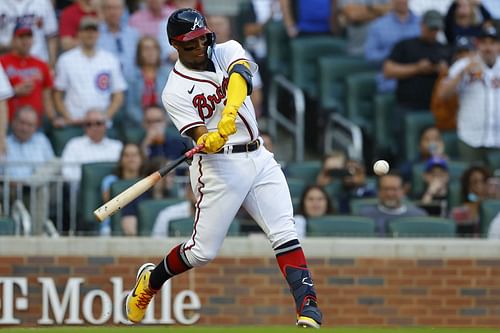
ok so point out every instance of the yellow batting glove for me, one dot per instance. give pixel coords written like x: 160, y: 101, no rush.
x: 213, y: 142
x: 227, y: 124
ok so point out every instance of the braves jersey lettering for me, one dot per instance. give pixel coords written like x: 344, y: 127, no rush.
x: 206, y: 105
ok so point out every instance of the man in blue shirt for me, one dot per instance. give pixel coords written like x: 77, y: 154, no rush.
x: 400, y: 23
x: 26, y: 145
x: 116, y: 37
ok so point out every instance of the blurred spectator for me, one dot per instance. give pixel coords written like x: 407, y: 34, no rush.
x: 221, y: 26
x: 473, y: 189
x: 430, y: 145
x: 6, y: 91
x: 166, y: 187
x: 436, y: 179
x: 69, y: 21
x: 178, y: 211
x: 331, y: 165
x: 465, y: 18
x: 390, y: 203
x: 148, y: 20
x: 254, y: 19
x: 445, y: 109
x: 158, y: 141
x: 130, y: 167
x: 30, y: 76
x: 354, y: 186
x: 400, y: 23
x: 314, y: 202
x: 476, y: 79
x: 87, y: 77
x: 494, y: 229
x: 40, y: 16
x: 416, y: 63
x: 267, y: 139
x: 93, y: 146
x: 419, y: 7
x: 117, y: 37
x: 492, y: 7
x: 306, y: 17
x: 26, y: 145
x: 356, y: 16
x: 146, y: 81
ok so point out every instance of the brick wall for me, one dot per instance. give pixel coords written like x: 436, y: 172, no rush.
x: 250, y: 290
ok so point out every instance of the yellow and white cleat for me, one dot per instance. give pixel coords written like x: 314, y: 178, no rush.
x: 139, y: 298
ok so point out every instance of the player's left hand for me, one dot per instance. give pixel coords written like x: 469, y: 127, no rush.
x: 227, y: 124
x: 213, y: 142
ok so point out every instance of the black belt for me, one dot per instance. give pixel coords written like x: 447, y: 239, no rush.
x: 251, y: 146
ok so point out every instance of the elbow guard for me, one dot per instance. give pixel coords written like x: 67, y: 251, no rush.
x: 245, y: 73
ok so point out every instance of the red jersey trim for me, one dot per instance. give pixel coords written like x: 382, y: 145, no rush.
x: 247, y: 126
x: 191, y: 125
x: 195, y: 79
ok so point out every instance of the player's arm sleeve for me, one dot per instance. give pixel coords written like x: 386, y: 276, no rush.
x: 183, y: 115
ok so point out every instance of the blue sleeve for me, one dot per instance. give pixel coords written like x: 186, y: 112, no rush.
x: 373, y: 51
x: 107, y: 181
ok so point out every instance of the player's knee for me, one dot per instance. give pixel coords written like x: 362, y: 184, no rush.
x: 198, y: 258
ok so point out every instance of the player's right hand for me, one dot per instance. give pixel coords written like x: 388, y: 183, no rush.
x: 213, y: 142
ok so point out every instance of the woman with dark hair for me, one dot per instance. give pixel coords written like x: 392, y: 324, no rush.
x: 130, y: 167
x: 473, y: 189
x: 314, y: 202
x: 146, y: 83
x: 465, y: 18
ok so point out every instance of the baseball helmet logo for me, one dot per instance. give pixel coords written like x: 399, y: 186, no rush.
x: 197, y: 24
x: 103, y: 81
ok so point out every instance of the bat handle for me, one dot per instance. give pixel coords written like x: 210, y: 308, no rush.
x: 194, y: 150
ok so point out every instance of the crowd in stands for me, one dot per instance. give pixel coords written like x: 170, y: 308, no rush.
x: 81, y: 81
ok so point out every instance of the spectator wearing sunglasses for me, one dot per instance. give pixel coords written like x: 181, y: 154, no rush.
x: 93, y: 146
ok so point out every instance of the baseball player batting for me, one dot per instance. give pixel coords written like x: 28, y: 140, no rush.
x: 207, y: 97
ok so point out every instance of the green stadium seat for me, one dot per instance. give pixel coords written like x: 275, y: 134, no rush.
x: 134, y: 135
x: 90, y: 192
x: 116, y: 188
x: 305, y: 54
x: 296, y: 187
x: 414, y: 123
x: 184, y: 227
x: 455, y: 170
x: 340, y: 226
x: 450, y: 139
x: 488, y: 209
x: 454, y: 196
x: 493, y: 158
x: 278, y: 48
x: 60, y: 136
x: 332, y: 73
x: 148, y: 210
x: 361, y: 91
x: 384, y: 112
x: 307, y: 171
x: 7, y: 226
x: 422, y: 226
x: 358, y: 204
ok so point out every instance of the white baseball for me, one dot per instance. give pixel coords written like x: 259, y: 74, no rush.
x: 381, y: 167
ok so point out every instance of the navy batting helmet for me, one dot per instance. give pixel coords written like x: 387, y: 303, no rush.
x: 186, y: 24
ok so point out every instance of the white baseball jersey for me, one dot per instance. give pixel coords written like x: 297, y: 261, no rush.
x: 193, y: 98
x: 6, y: 90
x: 39, y: 14
x: 88, y: 82
x: 478, y: 123
x: 224, y: 182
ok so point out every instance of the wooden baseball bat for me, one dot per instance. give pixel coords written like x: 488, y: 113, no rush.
x: 125, y: 197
